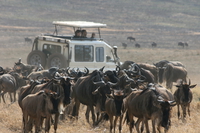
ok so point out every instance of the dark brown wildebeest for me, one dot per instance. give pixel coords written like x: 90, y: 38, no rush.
x: 148, y: 105
x: 149, y: 77
x: 131, y: 38
x: 113, y: 106
x: 61, y: 85
x: 151, y: 68
x: 27, y: 40
x: 183, y: 97
x: 89, y: 90
x: 137, y: 45
x: 37, y: 106
x: 172, y: 74
x: 8, y: 84
x: 153, y: 45
x: 124, y: 45
x: 77, y: 73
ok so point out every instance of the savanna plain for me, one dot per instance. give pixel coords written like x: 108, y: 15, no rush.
x: 160, y: 21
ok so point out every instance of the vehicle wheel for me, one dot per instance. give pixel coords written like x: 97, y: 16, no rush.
x: 57, y: 60
x: 36, y: 57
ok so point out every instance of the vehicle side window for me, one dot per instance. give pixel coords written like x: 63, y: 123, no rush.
x: 99, y: 54
x: 50, y: 49
x: 84, y: 53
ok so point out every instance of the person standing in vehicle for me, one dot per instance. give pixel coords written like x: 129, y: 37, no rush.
x: 93, y: 35
x: 77, y: 34
x: 84, y: 33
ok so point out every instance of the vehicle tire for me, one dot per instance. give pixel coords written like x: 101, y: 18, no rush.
x: 36, y: 57
x: 57, y: 60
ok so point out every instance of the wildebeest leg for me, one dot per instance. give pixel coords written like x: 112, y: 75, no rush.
x: 146, y: 124
x: 56, y: 122
x: 130, y: 117
x: 188, y: 109
x: 137, y: 124
x: 111, y: 122
x: 93, y: 115
x: 25, y: 120
x: 87, y: 113
x: 115, y: 122
x: 11, y: 99
x: 76, y: 109
x: 178, y: 108
x: 120, y: 123
x: 37, y: 124
x: 153, y: 126
x: 2, y: 95
x: 184, y: 110
x: 47, y: 124
x: 14, y: 95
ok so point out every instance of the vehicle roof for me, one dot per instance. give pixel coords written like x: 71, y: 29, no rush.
x: 80, y: 24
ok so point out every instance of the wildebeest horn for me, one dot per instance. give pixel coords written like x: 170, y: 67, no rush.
x: 110, y: 84
x: 172, y: 103
x: 98, y: 82
x: 118, y: 68
x: 189, y: 82
x: 101, y: 69
x: 86, y: 71
x: 96, y: 91
x: 67, y: 71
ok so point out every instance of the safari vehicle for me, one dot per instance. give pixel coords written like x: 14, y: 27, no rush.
x: 55, y: 50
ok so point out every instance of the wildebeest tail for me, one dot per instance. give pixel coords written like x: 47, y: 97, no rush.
x: 128, y: 120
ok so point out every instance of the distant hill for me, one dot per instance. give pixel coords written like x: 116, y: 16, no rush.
x: 147, y: 20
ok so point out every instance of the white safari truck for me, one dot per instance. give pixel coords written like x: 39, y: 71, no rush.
x: 56, y: 50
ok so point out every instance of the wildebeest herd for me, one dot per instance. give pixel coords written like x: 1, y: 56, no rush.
x: 131, y: 93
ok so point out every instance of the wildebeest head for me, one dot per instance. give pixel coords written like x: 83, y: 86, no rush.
x: 118, y: 96
x: 185, y: 89
x: 160, y: 74
x: 165, y: 107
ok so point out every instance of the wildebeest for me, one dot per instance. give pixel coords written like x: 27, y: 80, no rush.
x: 24, y: 69
x: 28, y: 40
x: 161, y: 65
x: 172, y: 74
x: 59, y: 84
x: 37, y: 106
x: 124, y: 45
x: 148, y: 105
x: 90, y: 90
x: 8, y: 84
x: 153, y: 45
x: 151, y: 68
x: 49, y: 73
x: 126, y: 65
x: 131, y: 38
x: 137, y: 70
x: 183, y: 44
x: 113, y: 108
x: 137, y: 45
x: 183, y: 97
